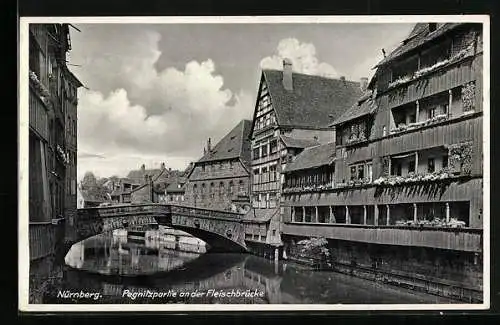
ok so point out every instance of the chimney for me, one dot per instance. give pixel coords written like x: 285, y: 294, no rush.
x: 363, y: 84
x: 143, y: 168
x: 287, y: 75
x: 209, y: 145
x: 342, y: 78
x: 162, y: 166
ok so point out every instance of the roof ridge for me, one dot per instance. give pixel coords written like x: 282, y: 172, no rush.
x: 314, y: 75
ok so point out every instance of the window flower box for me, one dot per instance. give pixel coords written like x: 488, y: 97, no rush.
x: 468, y: 51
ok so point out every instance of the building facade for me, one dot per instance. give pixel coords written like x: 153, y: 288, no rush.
x: 52, y: 122
x: 408, y: 180
x: 52, y: 106
x: 221, y: 178
x: 293, y: 111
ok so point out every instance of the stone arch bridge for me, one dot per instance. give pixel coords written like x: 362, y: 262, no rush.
x: 223, y: 231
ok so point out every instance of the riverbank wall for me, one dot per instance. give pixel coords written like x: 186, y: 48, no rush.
x: 451, y: 274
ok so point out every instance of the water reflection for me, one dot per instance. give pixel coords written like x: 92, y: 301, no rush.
x: 119, y: 254
x: 113, y: 264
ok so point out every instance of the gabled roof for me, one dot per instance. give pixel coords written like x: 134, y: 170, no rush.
x: 313, y: 157
x: 366, y: 105
x: 419, y: 35
x: 235, y: 144
x: 176, y: 187
x: 137, y: 176
x: 298, y: 143
x: 157, y: 175
x: 314, y: 101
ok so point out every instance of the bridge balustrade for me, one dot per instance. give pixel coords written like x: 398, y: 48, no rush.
x: 199, y: 212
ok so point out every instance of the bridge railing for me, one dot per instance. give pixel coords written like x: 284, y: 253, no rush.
x: 158, y: 208
x: 129, y: 209
x: 206, y: 213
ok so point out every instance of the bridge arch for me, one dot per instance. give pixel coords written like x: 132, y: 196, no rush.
x: 223, y: 231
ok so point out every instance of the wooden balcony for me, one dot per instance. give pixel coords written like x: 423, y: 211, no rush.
x: 460, y: 239
x: 448, y: 77
x: 464, y: 128
x: 42, y: 239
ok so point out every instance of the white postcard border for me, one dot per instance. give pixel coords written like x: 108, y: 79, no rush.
x: 23, y: 217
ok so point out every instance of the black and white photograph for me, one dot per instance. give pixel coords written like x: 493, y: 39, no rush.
x: 254, y: 163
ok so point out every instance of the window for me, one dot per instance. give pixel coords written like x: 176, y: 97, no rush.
x: 265, y: 150
x: 445, y: 161
x: 369, y: 172
x: 272, y: 171
x: 203, y: 167
x: 361, y: 172
x: 241, y: 187
x: 274, y: 146
x: 431, y: 112
x: 221, y: 188
x: 353, y: 173
x: 256, y: 175
x: 432, y: 27
x: 396, y: 169
x: 430, y: 165
x: 231, y: 187
x: 384, y: 131
x: 203, y: 190
x: 411, y: 166
x: 230, y: 164
x: 256, y: 153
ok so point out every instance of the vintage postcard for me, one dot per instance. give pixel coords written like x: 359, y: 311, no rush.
x: 254, y: 163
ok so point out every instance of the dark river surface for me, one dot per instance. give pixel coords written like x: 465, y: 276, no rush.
x: 117, y: 269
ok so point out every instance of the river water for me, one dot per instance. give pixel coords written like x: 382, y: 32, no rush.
x: 115, y: 268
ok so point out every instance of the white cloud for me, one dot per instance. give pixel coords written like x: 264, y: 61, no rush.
x: 135, y: 110
x: 303, y: 57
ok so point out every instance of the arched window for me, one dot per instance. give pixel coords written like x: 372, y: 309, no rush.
x: 203, y: 190
x: 221, y: 189
x: 195, y: 188
x: 231, y: 187
x: 212, y: 190
x: 241, y: 187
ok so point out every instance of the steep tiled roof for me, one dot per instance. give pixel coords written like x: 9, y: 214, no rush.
x: 233, y: 145
x: 298, y: 143
x: 137, y: 176
x: 217, y: 174
x: 313, y: 157
x: 314, y: 101
x: 366, y: 105
x: 417, y: 37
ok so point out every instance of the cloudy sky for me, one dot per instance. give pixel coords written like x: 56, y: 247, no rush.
x: 157, y: 92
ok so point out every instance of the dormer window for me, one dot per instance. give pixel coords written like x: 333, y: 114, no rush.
x: 432, y: 27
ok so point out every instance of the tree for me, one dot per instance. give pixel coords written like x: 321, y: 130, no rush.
x: 89, y: 181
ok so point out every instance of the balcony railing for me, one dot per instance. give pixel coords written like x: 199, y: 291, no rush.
x: 411, y: 126
x: 461, y: 239
x: 466, y: 52
x: 309, y: 188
